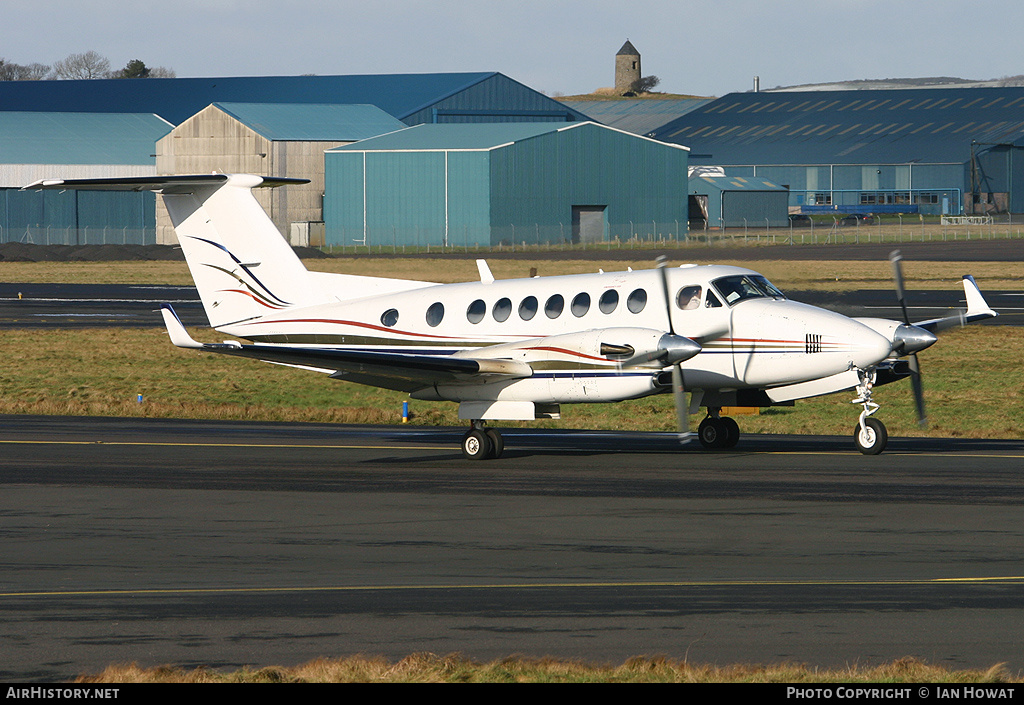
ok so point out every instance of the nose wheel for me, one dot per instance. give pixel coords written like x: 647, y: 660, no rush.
x: 870, y: 436
x: 482, y: 443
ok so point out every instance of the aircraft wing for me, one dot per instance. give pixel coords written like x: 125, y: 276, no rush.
x: 398, y: 371
x: 977, y: 310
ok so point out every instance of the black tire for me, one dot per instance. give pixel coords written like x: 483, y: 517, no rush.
x: 712, y: 433
x: 874, y: 438
x: 476, y: 445
x: 732, y: 435
x: 497, y: 443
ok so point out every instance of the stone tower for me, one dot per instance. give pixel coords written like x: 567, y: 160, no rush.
x: 627, y: 67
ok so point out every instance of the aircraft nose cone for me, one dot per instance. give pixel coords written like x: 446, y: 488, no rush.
x: 909, y: 339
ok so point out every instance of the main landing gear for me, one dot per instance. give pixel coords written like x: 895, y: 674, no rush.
x: 869, y: 434
x: 482, y: 443
x: 718, y: 431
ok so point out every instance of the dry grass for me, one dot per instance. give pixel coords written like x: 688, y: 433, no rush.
x: 972, y: 384
x: 429, y: 668
x: 787, y: 274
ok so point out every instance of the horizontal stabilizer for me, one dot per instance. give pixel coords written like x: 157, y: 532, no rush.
x: 187, y: 183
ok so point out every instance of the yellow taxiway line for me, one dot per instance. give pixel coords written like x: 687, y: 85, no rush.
x: 1005, y: 580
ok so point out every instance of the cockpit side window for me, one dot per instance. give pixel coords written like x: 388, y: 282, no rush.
x: 742, y: 286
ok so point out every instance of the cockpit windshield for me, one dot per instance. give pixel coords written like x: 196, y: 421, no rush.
x: 746, y: 286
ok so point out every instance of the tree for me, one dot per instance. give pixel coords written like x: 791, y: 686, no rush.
x: 135, y: 69
x: 10, y: 71
x: 82, y: 66
x: 138, y: 69
x: 644, y: 85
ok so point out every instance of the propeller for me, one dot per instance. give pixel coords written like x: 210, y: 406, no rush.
x: 678, y: 391
x: 905, y: 342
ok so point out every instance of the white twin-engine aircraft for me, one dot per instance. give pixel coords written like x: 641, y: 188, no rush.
x: 517, y: 349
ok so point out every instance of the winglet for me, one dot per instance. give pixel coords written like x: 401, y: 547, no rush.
x: 977, y: 307
x: 176, y: 329
x: 485, y: 272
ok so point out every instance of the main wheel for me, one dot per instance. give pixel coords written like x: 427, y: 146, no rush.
x: 870, y: 438
x: 712, y: 433
x: 732, y: 436
x: 497, y: 442
x: 476, y: 445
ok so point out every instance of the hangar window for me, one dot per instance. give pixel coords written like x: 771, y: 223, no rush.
x: 528, y: 308
x: 502, y: 310
x: 580, y: 304
x: 475, y: 312
x: 435, y: 313
x: 636, y: 301
x: 608, y: 301
x: 553, y: 307
x: 389, y: 318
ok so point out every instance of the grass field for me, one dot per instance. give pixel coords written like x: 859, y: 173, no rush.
x: 795, y: 275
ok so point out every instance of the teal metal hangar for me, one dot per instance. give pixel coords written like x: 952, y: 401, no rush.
x: 484, y: 185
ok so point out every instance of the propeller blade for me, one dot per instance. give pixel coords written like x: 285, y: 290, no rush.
x: 896, y: 259
x: 915, y: 381
x: 682, y: 407
x: 664, y: 288
x: 678, y: 392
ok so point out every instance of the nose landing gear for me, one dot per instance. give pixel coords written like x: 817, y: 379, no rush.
x: 869, y: 434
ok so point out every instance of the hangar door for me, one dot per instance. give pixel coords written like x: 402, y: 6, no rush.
x: 755, y: 209
x: 588, y: 223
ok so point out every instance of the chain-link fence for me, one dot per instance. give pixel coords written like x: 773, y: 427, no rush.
x: 79, y: 236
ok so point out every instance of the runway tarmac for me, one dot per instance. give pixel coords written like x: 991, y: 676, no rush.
x: 95, y: 305
x: 232, y: 543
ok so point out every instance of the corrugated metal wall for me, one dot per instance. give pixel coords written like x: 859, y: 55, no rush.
x: 77, y: 217
x: 412, y: 198
x: 536, y: 182
x: 755, y: 209
x: 523, y: 192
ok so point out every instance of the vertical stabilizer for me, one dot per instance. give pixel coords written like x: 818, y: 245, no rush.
x: 242, y: 266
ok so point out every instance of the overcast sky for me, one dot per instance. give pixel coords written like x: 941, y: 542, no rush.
x: 559, y: 47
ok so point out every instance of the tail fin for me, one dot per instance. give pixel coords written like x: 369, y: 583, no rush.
x: 241, y: 265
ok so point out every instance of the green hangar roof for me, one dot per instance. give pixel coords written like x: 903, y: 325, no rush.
x: 452, y: 137
x: 314, y: 122
x: 473, y: 137
x: 849, y: 127
x: 411, y: 98
x: 641, y: 116
x: 79, y: 138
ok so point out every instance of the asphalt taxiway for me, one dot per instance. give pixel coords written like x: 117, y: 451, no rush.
x: 231, y: 543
